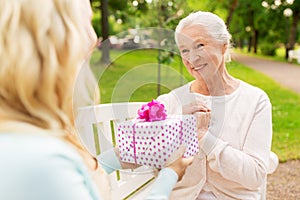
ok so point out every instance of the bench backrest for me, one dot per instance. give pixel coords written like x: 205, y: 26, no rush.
x: 294, y: 54
x: 96, y: 126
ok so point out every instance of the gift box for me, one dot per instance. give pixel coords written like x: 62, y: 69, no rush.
x: 152, y: 143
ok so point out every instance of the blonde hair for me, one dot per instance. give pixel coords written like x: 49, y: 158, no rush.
x: 42, y: 47
x: 86, y: 91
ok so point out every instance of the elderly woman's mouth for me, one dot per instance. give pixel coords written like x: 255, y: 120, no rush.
x: 200, y: 67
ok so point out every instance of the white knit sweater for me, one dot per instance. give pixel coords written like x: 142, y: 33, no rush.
x: 234, y: 154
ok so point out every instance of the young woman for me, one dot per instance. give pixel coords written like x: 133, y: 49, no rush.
x: 43, y: 45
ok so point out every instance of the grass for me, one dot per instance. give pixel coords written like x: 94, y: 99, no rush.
x: 133, y: 77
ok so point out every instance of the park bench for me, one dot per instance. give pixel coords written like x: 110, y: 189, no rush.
x: 294, y: 54
x: 96, y: 125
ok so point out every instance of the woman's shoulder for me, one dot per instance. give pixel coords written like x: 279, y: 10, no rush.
x: 175, y: 95
x: 34, y: 141
x: 252, y: 90
x: 26, y: 148
x: 177, y: 92
x: 182, y: 89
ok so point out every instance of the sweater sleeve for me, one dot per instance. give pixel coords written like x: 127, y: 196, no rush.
x: 247, y: 166
x: 109, y: 161
x: 171, y: 102
x: 163, y: 185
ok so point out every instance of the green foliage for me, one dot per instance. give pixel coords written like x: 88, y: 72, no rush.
x: 97, y: 23
x: 268, y: 49
x: 269, y: 22
x: 218, y: 7
x: 165, y: 57
x: 279, y: 25
x: 118, y: 4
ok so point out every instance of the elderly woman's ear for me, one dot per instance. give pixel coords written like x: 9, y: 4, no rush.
x: 224, y: 48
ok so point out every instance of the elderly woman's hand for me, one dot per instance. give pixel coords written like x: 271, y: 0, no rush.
x: 202, y: 114
x: 193, y: 107
x: 203, y: 121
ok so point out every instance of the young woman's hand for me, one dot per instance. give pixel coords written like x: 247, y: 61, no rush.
x: 180, y: 165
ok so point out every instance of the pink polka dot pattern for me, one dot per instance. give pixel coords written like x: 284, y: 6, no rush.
x: 156, y: 141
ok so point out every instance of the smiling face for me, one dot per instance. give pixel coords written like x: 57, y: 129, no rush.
x: 202, y: 55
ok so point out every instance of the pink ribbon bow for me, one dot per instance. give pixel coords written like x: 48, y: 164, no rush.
x: 152, y: 111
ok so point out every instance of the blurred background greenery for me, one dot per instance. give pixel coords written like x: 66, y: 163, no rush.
x: 258, y: 26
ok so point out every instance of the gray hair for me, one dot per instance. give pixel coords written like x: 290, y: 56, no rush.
x: 214, y: 25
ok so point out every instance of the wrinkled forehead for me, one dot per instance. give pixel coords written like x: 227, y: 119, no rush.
x: 192, y: 34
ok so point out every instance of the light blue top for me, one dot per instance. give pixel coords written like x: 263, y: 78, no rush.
x: 44, y: 168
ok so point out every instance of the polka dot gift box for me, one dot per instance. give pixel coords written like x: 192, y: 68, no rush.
x: 153, y: 137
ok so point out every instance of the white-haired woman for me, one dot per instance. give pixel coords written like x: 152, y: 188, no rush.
x: 43, y: 45
x: 235, y: 125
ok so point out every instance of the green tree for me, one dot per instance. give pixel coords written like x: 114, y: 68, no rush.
x: 285, y: 21
x: 168, y: 14
x: 111, y: 12
x: 295, y: 23
x: 164, y: 16
x: 252, y: 26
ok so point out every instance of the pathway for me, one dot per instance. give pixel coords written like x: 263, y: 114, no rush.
x: 286, y: 74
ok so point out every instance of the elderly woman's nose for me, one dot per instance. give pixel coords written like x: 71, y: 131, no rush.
x: 194, y: 57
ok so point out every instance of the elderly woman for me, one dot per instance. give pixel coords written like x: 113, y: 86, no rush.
x: 235, y: 129
x: 43, y: 45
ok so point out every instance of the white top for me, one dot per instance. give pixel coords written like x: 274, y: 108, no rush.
x: 234, y: 154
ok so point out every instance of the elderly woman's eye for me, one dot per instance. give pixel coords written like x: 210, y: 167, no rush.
x: 200, y: 45
x: 184, y: 51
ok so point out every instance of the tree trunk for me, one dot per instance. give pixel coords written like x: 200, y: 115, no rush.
x: 255, y: 41
x: 292, y: 39
x: 241, y: 43
x: 249, y: 44
x: 287, y: 48
x: 251, y: 24
x: 161, y: 18
x: 231, y: 11
x: 105, y: 44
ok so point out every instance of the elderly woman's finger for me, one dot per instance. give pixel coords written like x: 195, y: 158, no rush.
x: 203, y: 119
x: 200, y: 108
x: 201, y: 132
x: 195, y: 107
